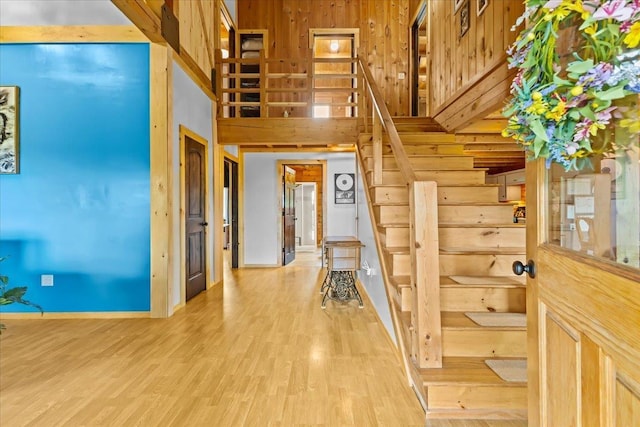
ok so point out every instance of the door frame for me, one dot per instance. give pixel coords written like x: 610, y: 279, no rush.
x: 184, y: 133
x: 280, y: 164
x: 421, y: 15
x: 235, y: 245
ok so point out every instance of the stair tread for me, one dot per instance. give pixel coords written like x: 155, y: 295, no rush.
x: 505, y: 205
x: 401, y: 281
x: 498, y: 282
x: 390, y: 203
x: 383, y: 185
x: 456, y: 320
x: 498, y: 250
x: 417, y: 169
x: 394, y: 225
x: 481, y: 225
x: 465, y: 371
x: 398, y: 249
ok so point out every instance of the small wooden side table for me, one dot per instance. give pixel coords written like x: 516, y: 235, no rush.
x: 343, y: 259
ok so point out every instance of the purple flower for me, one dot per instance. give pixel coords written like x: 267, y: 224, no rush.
x: 597, y: 76
x: 582, y: 130
x: 614, y: 9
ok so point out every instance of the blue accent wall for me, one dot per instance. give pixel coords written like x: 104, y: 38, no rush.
x: 80, y: 207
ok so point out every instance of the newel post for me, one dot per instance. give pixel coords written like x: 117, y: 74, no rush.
x: 425, y: 274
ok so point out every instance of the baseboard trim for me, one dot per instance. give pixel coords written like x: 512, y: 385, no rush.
x: 79, y: 315
x: 261, y: 265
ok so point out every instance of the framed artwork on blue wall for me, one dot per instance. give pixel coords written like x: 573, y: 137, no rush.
x: 9, y: 130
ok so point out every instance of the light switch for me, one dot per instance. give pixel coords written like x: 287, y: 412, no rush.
x: 46, y: 280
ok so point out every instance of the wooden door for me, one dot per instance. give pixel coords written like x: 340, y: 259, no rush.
x: 583, y: 310
x: 233, y: 181
x: 288, y: 215
x: 195, y: 217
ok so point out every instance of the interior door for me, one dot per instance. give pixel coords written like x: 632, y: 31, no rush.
x: 234, y: 214
x: 195, y: 217
x: 583, y: 305
x: 289, y: 215
x: 419, y: 63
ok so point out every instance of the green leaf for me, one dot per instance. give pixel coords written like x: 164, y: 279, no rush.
x: 586, y: 112
x: 15, y: 293
x: 613, y: 93
x: 580, y: 67
x: 539, y: 130
x: 538, y: 145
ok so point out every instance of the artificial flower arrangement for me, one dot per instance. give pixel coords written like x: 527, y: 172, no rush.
x: 561, y: 113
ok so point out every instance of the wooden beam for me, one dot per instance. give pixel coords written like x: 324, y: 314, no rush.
x: 142, y: 16
x: 161, y: 200
x: 156, y: 6
x: 289, y: 130
x: 72, y: 34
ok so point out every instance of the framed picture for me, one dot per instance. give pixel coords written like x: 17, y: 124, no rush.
x: 482, y: 5
x: 464, y: 18
x: 9, y: 129
x: 456, y: 5
x: 345, y: 188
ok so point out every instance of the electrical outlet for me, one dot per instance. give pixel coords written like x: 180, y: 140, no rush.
x: 46, y: 280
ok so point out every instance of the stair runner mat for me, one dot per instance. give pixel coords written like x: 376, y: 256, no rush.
x: 509, y: 370
x: 516, y: 320
x: 488, y: 280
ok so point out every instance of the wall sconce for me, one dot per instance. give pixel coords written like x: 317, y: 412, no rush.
x: 334, y: 46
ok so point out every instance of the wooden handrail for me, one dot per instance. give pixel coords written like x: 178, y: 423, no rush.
x: 387, y: 122
x: 425, y: 346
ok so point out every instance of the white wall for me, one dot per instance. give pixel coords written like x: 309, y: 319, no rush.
x: 60, y: 12
x: 373, y: 284
x: 262, y: 211
x: 192, y: 109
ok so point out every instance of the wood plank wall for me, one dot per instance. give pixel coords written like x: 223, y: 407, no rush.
x: 469, y: 74
x: 197, y: 31
x: 384, y: 35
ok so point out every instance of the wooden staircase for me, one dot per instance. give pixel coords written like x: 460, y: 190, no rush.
x: 477, y: 243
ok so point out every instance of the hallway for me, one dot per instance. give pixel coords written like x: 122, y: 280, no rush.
x: 258, y: 351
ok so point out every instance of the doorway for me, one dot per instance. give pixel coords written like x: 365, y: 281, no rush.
x: 306, y: 216
x: 419, y: 63
x: 289, y: 215
x: 230, y: 210
x: 195, y: 222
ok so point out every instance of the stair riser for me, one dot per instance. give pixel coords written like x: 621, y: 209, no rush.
x: 501, y: 300
x: 484, y: 343
x: 467, y: 194
x: 476, y: 397
x: 441, y: 177
x: 401, y: 265
x: 397, y: 237
x: 476, y: 265
x: 392, y: 214
x: 403, y: 298
x: 482, y: 237
x: 445, y: 194
x: 434, y: 163
x: 470, y: 214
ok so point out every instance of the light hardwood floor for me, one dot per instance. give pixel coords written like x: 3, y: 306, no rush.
x: 258, y: 351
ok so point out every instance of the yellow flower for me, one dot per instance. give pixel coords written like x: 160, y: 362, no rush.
x: 632, y: 39
x: 591, y: 30
x: 536, y: 96
x: 537, y: 107
x: 577, y: 90
x: 557, y: 112
x: 632, y: 124
x: 594, y: 128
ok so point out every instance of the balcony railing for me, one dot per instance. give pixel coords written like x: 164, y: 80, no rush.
x: 308, y: 87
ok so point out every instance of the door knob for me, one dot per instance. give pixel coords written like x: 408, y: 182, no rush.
x: 204, y: 224
x: 519, y: 268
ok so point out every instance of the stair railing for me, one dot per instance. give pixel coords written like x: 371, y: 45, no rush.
x: 426, y: 328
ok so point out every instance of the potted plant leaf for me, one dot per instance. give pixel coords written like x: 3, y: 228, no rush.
x: 14, y: 295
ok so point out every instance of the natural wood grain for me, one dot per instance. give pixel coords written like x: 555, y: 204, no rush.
x: 425, y: 273
x: 257, y: 351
